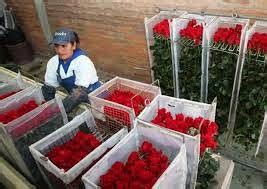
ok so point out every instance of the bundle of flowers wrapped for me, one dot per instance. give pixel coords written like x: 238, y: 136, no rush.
x: 225, y: 36
x: 163, y: 57
x: 68, y: 152
x: 189, y: 52
x: 253, y: 90
x: 123, y: 99
x: 145, y: 158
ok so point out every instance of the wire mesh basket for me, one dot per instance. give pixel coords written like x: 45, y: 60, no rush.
x: 18, y: 134
x: 108, y: 131
x: 188, y: 108
x: 117, y: 111
x: 171, y: 145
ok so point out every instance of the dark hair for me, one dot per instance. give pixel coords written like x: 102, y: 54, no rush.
x: 77, y: 39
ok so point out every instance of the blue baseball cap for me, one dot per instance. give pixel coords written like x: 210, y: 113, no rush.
x: 63, y: 36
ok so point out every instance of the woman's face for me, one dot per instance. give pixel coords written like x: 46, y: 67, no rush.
x: 65, y: 51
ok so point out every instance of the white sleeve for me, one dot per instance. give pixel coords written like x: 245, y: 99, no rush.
x: 51, y: 72
x: 85, y: 72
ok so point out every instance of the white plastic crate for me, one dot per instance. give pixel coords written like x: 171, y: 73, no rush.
x: 188, y: 108
x: 177, y: 25
x: 117, y: 111
x: 171, y: 145
x: 110, y: 133
x: 18, y: 134
x: 149, y: 25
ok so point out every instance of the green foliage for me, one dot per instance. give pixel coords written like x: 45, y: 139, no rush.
x: 163, y: 64
x: 252, y: 99
x: 206, y: 171
x: 190, y: 72
x: 222, y: 68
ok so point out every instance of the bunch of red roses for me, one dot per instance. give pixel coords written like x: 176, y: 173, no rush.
x: 128, y: 99
x: 36, y: 121
x: 186, y: 124
x: 125, y: 98
x: 141, y: 170
x: 162, y: 28
x: 258, y: 42
x: 230, y: 36
x: 193, y: 31
x: 3, y: 96
x: 14, y: 114
x: 69, y: 154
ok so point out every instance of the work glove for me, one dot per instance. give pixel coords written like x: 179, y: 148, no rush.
x: 48, y: 92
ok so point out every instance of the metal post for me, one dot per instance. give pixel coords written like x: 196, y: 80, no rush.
x: 42, y: 15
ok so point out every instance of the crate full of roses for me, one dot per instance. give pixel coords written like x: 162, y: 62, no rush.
x: 225, y: 42
x: 70, y: 151
x: 123, y: 99
x: 158, y: 37
x: 190, y: 54
x: 25, y: 120
x: 249, y: 127
x: 12, y: 88
x: 192, y: 120
x: 146, y: 158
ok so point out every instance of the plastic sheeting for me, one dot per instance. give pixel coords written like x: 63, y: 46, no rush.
x: 188, y: 67
x: 221, y: 76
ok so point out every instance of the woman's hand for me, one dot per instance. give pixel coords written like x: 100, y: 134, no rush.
x: 77, y: 96
x: 48, y: 92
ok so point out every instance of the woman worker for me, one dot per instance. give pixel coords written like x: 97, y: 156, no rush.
x: 71, y: 69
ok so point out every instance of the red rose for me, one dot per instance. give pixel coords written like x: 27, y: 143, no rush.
x: 134, y: 156
x: 197, y: 122
x: 209, y: 141
x: 146, y: 147
x: 135, y: 185
x: 107, y: 179
x: 117, y: 168
x: 179, y: 117
x: 145, y: 175
x: 121, y: 184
